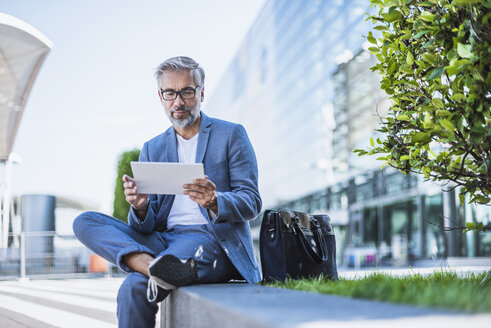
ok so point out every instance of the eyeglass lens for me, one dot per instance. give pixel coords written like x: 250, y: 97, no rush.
x: 186, y: 93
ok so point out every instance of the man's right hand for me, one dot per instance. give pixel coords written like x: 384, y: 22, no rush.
x: 138, y: 201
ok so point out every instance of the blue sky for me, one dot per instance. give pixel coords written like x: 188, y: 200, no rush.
x: 95, y: 95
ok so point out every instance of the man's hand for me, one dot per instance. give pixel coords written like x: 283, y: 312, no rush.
x: 202, y: 191
x: 138, y: 201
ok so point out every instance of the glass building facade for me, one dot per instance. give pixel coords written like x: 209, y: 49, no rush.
x: 301, y: 85
x: 279, y: 86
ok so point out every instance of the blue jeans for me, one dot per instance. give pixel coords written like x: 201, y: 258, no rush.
x: 113, y: 239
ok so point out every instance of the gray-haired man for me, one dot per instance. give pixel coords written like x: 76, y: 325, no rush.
x: 176, y: 240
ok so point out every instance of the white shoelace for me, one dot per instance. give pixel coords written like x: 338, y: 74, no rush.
x: 152, y: 290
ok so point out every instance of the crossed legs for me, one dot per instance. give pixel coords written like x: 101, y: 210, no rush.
x: 133, y: 251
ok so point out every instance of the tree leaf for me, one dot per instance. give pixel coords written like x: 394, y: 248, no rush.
x: 438, y: 103
x: 403, y: 117
x: 436, y: 73
x: 409, y: 58
x: 428, y: 44
x: 442, y: 113
x: 420, y: 34
x: 429, y: 58
x: 447, y: 125
x: 391, y: 68
x: 462, y: 198
x: 393, y: 16
x: 470, y: 225
x: 371, y: 39
x: 405, y: 69
x: 381, y: 28
x: 466, y: 2
x: 481, y: 199
x: 457, y: 97
x: 454, y: 69
x: 451, y: 54
x: 427, y: 16
x: 464, y: 50
x: 421, y: 137
x: 426, y: 172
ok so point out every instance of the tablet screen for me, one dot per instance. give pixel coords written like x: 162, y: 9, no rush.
x: 165, y: 178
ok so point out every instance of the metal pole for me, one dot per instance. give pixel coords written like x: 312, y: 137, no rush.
x: 421, y: 240
x: 23, y: 255
x: 449, y: 219
x: 16, y: 222
x: 6, y: 204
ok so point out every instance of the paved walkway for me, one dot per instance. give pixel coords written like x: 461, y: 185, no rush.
x: 59, y: 303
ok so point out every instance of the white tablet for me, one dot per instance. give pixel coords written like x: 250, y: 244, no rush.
x: 165, y: 178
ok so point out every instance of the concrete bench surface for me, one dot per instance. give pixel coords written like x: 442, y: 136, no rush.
x: 242, y: 305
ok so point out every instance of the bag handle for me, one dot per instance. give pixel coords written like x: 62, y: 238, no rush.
x: 321, y: 242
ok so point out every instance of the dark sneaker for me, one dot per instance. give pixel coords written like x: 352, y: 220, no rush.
x: 169, y: 272
x: 155, y: 293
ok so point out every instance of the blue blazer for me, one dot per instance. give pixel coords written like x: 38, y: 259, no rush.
x: 229, y: 161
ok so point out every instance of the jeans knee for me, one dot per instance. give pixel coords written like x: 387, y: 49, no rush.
x: 81, y: 221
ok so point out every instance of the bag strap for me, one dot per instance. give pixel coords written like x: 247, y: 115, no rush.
x: 321, y: 242
x: 320, y: 239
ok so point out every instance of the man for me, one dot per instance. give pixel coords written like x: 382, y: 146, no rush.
x: 176, y: 240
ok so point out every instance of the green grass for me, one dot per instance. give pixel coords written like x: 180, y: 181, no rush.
x: 442, y: 289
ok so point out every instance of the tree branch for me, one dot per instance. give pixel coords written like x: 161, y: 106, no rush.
x: 472, y: 26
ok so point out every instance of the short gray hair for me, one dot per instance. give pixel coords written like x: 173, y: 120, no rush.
x: 181, y: 63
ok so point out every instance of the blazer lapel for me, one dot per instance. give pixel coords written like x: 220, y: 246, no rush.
x: 171, y: 149
x: 204, y: 135
x: 170, y: 155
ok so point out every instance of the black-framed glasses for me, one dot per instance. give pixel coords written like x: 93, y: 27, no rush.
x: 186, y: 93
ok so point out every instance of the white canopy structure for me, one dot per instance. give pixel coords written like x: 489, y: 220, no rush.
x: 23, y: 50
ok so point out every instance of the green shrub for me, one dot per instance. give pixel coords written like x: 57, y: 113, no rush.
x: 120, y: 206
x: 435, y: 61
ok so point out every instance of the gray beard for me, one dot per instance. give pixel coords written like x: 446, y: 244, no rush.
x: 184, y: 123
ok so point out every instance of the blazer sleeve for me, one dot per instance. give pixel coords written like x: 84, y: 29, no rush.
x: 243, y: 202
x: 147, y: 225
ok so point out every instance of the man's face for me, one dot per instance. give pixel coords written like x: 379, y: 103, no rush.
x: 181, y: 112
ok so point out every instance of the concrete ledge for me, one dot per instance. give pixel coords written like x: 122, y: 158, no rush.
x: 241, y: 305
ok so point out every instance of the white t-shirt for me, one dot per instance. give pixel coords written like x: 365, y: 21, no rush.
x: 184, y: 211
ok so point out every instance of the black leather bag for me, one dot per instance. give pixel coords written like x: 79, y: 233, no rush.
x: 296, y: 245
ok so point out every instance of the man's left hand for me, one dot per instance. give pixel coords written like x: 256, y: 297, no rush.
x: 202, y: 191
